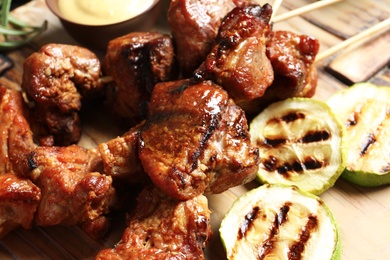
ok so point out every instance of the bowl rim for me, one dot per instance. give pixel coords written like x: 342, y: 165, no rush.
x: 53, y: 6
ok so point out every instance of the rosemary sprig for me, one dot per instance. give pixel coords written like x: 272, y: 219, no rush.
x: 14, y: 31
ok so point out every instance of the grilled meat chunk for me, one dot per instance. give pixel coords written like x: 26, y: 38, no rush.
x: 195, y: 140
x: 136, y: 62
x: 238, y: 62
x: 164, y: 228
x: 19, y: 199
x: 120, y: 157
x: 56, y: 78
x: 194, y: 25
x: 15, y: 134
x: 73, y: 190
x: 292, y: 57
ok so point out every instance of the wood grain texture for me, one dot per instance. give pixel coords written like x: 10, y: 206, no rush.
x: 362, y: 214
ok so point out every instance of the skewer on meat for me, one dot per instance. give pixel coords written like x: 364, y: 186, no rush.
x: 238, y: 62
x: 56, y: 78
x: 164, y: 228
x: 19, y: 197
x: 194, y: 25
x: 196, y: 140
x: 136, y: 62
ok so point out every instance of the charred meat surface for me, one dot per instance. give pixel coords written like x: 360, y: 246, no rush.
x: 238, y: 62
x: 292, y: 57
x: 55, y: 78
x: 19, y: 199
x: 73, y: 190
x: 194, y: 135
x: 136, y: 62
x: 164, y: 228
x: 194, y: 25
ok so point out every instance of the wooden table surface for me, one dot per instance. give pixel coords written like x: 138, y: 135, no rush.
x: 363, y: 214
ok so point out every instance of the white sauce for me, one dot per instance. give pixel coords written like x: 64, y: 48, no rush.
x: 99, y: 12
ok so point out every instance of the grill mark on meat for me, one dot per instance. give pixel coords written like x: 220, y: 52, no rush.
x: 298, y: 247
x: 370, y: 140
x: 247, y: 224
x: 280, y: 218
x: 214, y: 122
x: 315, y: 136
x: 309, y: 163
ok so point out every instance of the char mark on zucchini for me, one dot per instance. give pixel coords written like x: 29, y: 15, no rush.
x: 369, y: 141
x: 297, y: 248
x: 248, y: 222
x: 280, y: 219
x: 309, y: 163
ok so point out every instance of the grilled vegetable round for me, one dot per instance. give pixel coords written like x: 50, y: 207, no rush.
x: 301, y: 143
x: 280, y: 222
x: 364, y: 109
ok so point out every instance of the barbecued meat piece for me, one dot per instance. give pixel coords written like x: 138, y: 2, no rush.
x: 73, y: 190
x: 19, y: 199
x: 56, y: 78
x: 195, y: 140
x: 15, y: 134
x: 136, y: 62
x: 237, y: 160
x: 194, y: 25
x: 292, y: 57
x: 164, y: 228
x: 120, y: 157
x: 238, y: 61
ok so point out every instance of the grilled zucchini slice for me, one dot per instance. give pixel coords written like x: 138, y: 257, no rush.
x: 301, y: 142
x: 280, y: 222
x: 364, y: 109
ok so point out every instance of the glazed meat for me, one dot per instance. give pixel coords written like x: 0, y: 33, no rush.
x: 19, y: 200
x: 292, y: 57
x: 238, y: 61
x: 194, y: 25
x: 19, y: 197
x: 15, y: 134
x: 73, y: 190
x: 136, y: 62
x: 195, y: 140
x: 162, y: 228
x: 120, y: 158
x: 56, y: 78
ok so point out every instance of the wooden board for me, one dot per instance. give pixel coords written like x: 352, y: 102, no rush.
x: 362, y: 214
